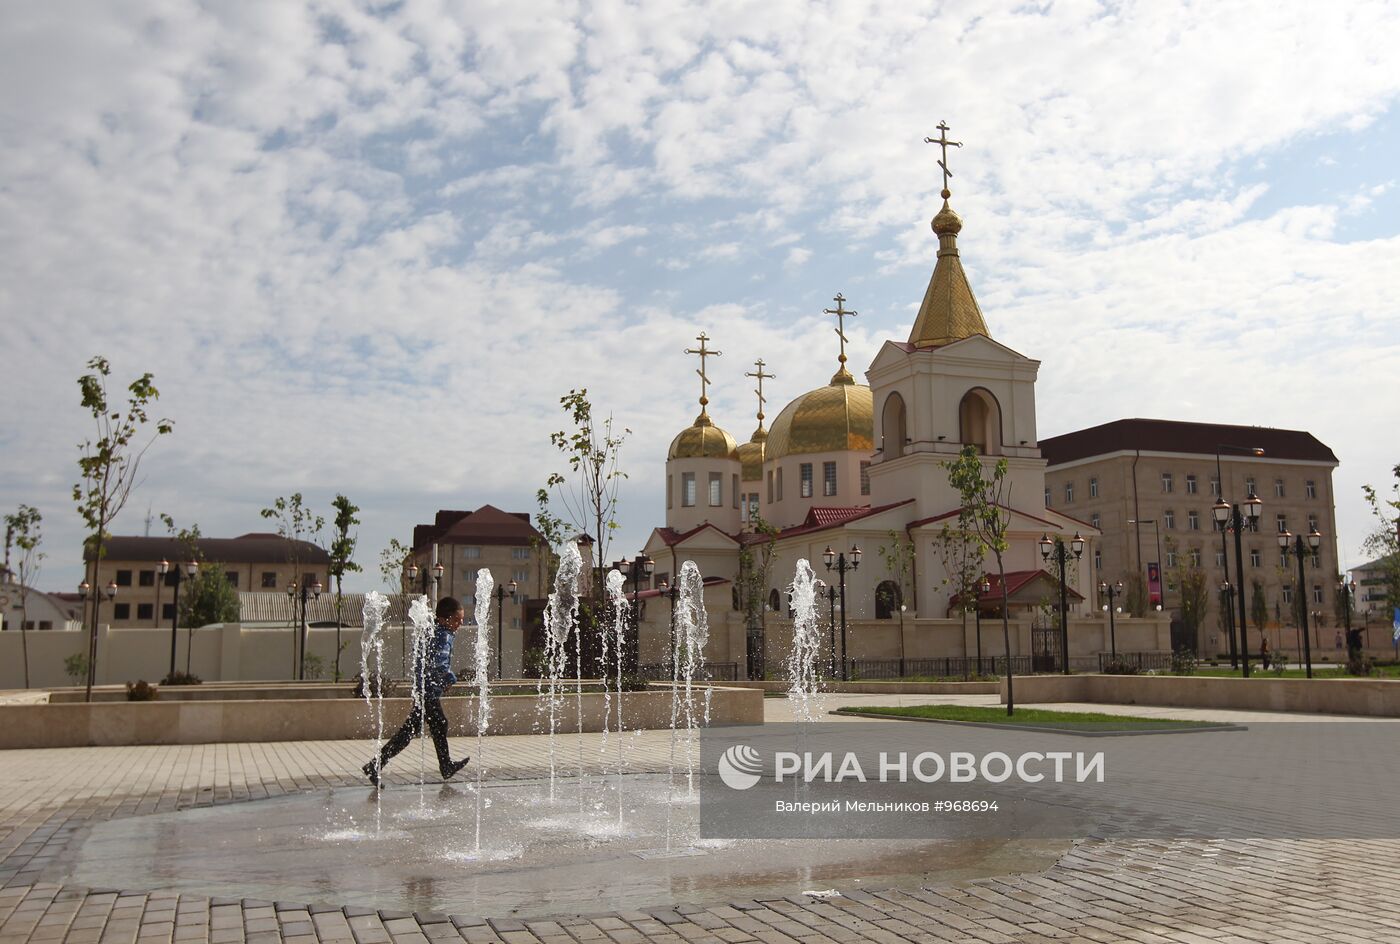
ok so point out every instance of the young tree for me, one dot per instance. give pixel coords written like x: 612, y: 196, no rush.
x: 1258, y: 606
x: 1384, y: 541
x: 108, y: 465
x: 963, y: 558
x: 210, y: 599
x: 189, y: 540
x: 754, y: 572
x: 1194, y: 588
x: 898, y: 557
x: 22, y: 528
x: 393, y: 561
x: 342, y: 560
x: 295, y: 524
x: 986, y: 500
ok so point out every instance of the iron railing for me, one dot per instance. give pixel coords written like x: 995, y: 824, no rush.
x: 949, y: 668
x: 711, y: 671
x: 1145, y: 661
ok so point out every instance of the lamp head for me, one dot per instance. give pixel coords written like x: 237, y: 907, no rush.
x: 191, y: 568
x: 1252, y: 507
x: 292, y: 589
x: 648, y: 566
x: 855, y: 555
x: 828, y: 557
x: 1314, y: 538
x: 437, y: 571
x: 1284, y: 539
x: 1076, y: 544
x: 1221, y: 510
x: 1046, y: 545
x: 163, y: 567
x: 84, y: 587
x: 412, y: 571
x: 513, y: 587
x: 111, y: 589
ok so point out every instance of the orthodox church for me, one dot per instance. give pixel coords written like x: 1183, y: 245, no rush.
x: 858, y: 468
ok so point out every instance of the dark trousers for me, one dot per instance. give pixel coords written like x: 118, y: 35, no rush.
x: 413, y: 727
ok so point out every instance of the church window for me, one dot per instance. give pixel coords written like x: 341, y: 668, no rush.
x: 1093, y: 488
x: 887, y: 599
x: 734, y: 489
x: 805, y: 474
x: 979, y: 422
x: 687, y: 489
x: 828, y: 478
x: 1047, y: 496
x: 670, y: 490
x: 865, y: 478
x: 716, y: 489
x: 780, y: 483
x: 1069, y: 493
x: 773, y: 599
x: 893, y: 431
x: 770, y: 486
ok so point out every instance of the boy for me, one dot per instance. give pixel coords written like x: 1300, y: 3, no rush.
x: 434, y: 675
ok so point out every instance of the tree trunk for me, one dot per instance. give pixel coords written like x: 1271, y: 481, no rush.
x: 1006, y: 636
x: 24, y: 632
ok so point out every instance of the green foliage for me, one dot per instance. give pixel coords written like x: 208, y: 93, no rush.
x: 181, y: 678
x: 76, y: 666
x: 1358, y: 663
x: 1135, y: 596
x: 588, y: 502
x: 208, y: 597
x: 314, y: 665
x: 141, y: 690
x: 1384, y: 541
x: 342, y: 554
x: 1258, y: 606
x: 22, y: 530
x: 1121, y: 667
x: 1184, y: 661
x: 1194, y: 588
x: 534, y: 663
x: 295, y: 523
x: 754, y: 572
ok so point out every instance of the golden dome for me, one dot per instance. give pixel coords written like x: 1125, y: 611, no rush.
x: 949, y: 311
x: 703, y: 440
x: 751, y: 455
x: 834, y: 418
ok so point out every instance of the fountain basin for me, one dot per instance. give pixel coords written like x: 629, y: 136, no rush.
x: 328, y: 719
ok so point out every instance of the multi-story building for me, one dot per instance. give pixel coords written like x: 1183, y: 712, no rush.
x: 1149, y: 486
x: 1372, y: 598
x: 258, y: 561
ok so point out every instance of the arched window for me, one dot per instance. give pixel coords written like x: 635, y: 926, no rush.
x: 979, y: 421
x: 887, y: 599
x: 773, y: 600
x: 893, y: 428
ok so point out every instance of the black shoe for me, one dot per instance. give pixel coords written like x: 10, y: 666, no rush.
x: 449, y: 772
x: 372, y: 772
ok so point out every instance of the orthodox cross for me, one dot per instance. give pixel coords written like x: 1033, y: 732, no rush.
x: 704, y: 352
x: 943, y: 144
x: 841, y: 315
x: 761, y: 376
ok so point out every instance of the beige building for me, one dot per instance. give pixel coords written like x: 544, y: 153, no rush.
x: 255, y: 562
x: 1149, y: 486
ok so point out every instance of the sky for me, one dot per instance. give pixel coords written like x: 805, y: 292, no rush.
x: 365, y: 247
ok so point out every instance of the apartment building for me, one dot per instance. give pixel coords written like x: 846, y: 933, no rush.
x: 505, y: 543
x: 258, y: 562
x: 1149, y: 486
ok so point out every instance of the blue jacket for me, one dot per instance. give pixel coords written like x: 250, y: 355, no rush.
x: 435, y: 674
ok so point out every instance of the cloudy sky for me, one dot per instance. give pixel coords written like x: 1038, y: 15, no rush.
x: 365, y: 247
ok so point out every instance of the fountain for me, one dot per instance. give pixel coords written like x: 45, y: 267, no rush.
x: 804, y: 692
x: 420, y: 615
x: 687, y: 664
x: 560, y: 616
x: 372, y: 667
x: 621, y: 610
x: 482, y: 663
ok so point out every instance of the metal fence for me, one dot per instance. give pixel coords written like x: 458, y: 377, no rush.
x: 713, y: 671
x: 950, y: 668
x: 1144, y: 661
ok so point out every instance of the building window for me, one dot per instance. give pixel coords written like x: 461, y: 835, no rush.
x: 1312, y: 523
x: 1094, y: 520
x: 1195, y: 557
x: 1169, y: 519
x: 520, y: 553
x: 1093, y: 488
x: 716, y: 489
x: 147, y: 578
x: 269, y: 580
x: 1278, y: 488
x: 1047, y: 496
x: 520, y: 574
x: 1098, y: 560
x: 167, y: 611
x: 46, y: 624
x: 1190, y: 485
x: 1282, y: 523
x: 309, y: 578
x: 1282, y: 558
x: 687, y: 489
x: 122, y: 611
x: 780, y: 483
x: 232, y: 576
x: 1315, y: 558
x: 1317, y: 594
x: 123, y: 578
x: 1167, y: 483
x: 1171, y: 558
x: 1193, y: 521
x: 1251, y: 524
x: 734, y: 490
x: 1249, y: 486
x: 145, y: 611
x: 670, y: 488
x: 1310, y: 488
x: 471, y: 553
x: 770, y: 486
x: 865, y: 478
x: 753, y: 506
x: 1069, y: 493
x: 1219, y: 558
x: 804, y: 472
x: 1214, y: 487
x: 828, y: 478
x: 1287, y: 594
x: 1254, y: 558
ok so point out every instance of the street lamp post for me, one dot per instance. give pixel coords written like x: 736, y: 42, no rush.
x: 1234, y: 517
x: 111, y: 592
x: 501, y: 591
x: 634, y: 570
x: 190, y: 569
x: 1112, y: 591
x: 1057, y: 547
x: 831, y: 621
x: 672, y: 591
x: 1221, y: 503
x: 305, y: 591
x: 838, y: 561
x: 1288, y: 541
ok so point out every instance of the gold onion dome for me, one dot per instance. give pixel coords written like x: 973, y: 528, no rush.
x: 949, y: 311
x: 835, y: 418
x: 703, y: 440
x: 751, y: 456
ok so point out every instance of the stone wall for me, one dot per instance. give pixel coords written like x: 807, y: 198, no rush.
x: 1372, y: 697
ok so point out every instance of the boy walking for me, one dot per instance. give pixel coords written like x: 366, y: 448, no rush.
x: 433, y: 676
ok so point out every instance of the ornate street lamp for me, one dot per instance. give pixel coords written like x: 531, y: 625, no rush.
x: 1234, y: 518
x: 305, y: 592
x: 839, y: 562
x: 190, y: 569
x: 1221, y: 510
x: 1112, y: 591
x: 1057, y: 547
x: 501, y: 591
x: 1288, y: 541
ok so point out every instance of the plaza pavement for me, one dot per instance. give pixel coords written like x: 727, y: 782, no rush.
x: 1183, y: 891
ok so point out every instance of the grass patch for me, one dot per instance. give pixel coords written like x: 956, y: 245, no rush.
x: 1319, y: 671
x: 1026, y: 717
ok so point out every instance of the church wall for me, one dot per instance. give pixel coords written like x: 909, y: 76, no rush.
x: 724, y: 516
x: 792, y: 509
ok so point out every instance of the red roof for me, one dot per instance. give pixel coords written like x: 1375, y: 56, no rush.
x: 1175, y: 436
x: 487, y: 525
x: 671, y: 537
x: 1015, y: 581
x: 820, y: 519
x: 650, y: 594
x: 954, y: 513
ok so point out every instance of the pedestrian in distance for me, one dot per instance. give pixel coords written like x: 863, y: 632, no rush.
x: 432, y: 676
